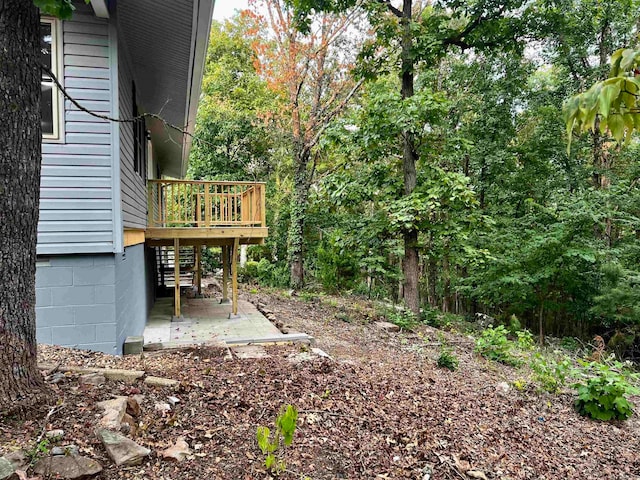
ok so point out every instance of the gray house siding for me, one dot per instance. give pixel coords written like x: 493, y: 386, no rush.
x: 75, y: 302
x: 87, y: 296
x: 92, y: 302
x: 76, y: 193
x: 133, y: 185
x: 131, y: 292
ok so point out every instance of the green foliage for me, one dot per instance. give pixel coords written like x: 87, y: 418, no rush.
x: 58, y: 8
x: 249, y: 271
x: 493, y: 344
x: 551, y: 374
x: 211, y: 260
x: 609, y: 104
x: 602, y: 395
x: 524, y: 340
x: 447, y: 359
x: 403, y: 318
x: 271, y: 274
x: 273, y: 446
x: 39, y: 450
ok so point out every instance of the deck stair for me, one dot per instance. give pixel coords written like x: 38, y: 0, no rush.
x: 165, y: 267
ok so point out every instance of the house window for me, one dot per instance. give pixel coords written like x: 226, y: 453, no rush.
x: 50, y: 104
x: 139, y: 139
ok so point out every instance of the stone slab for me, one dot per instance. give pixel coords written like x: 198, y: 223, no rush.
x: 249, y: 352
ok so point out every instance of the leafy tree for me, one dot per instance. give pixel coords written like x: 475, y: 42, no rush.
x: 236, y: 111
x: 411, y: 36
x: 22, y: 388
x: 311, y: 75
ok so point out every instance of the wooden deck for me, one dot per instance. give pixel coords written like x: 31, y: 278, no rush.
x: 201, y: 213
x: 211, y: 213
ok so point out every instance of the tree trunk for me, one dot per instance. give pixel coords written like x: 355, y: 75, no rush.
x: 541, y: 323
x: 298, y: 214
x: 22, y: 388
x: 411, y: 261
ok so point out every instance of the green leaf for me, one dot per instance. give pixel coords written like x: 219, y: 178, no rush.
x: 263, y: 437
x: 616, y: 125
x: 607, y: 95
x: 628, y: 59
x: 270, y: 461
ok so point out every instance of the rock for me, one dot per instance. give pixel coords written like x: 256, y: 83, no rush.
x: 114, y: 412
x: 7, y: 470
x: 66, y: 450
x: 19, y: 459
x: 57, y: 377
x: 161, y: 382
x: 95, y: 379
x: 244, y: 352
x: 503, y: 387
x: 387, y: 327
x: 179, y: 451
x: 53, y: 434
x: 133, y: 406
x: 477, y: 474
x: 118, y: 375
x: 68, y: 467
x: 128, y: 425
x: 122, y: 450
x: 320, y: 353
x: 427, y: 471
x: 162, y: 407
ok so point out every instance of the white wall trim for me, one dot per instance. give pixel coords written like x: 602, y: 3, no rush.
x: 115, y: 138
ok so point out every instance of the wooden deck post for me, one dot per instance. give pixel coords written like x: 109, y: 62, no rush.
x: 198, y: 260
x: 176, y: 276
x: 234, y: 276
x: 225, y: 274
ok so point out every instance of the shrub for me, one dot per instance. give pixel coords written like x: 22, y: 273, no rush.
x: 603, y: 394
x: 550, y: 374
x: 272, y: 274
x: 447, y: 359
x: 494, y: 345
x: 524, y: 340
x: 405, y: 319
x: 249, y: 271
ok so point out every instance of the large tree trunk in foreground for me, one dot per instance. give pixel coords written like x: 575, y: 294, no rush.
x: 411, y: 260
x: 298, y: 215
x: 22, y: 388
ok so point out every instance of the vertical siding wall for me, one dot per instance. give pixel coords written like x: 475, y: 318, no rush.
x: 133, y: 185
x: 76, y: 194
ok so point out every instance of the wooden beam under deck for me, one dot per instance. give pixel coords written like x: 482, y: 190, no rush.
x: 191, y: 242
x: 212, y: 233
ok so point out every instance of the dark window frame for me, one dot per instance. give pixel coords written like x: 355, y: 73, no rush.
x: 139, y: 138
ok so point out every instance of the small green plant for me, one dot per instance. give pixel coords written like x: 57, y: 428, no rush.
x: 405, y: 319
x: 524, y: 340
x: 550, y: 374
x: 520, y: 384
x: 603, y: 393
x: 41, y: 449
x: 494, y: 345
x: 447, y: 359
x: 274, y: 446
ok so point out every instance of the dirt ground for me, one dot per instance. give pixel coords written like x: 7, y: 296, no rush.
x: 380, y: 408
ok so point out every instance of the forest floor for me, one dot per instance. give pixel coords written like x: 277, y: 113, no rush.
x: 380, y: 408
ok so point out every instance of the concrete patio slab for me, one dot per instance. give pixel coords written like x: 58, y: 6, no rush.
x: 206, y: 321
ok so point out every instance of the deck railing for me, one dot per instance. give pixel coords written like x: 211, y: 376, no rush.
x: 201, y: 204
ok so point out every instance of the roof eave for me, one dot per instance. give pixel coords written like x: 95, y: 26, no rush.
x: 202, y: 18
